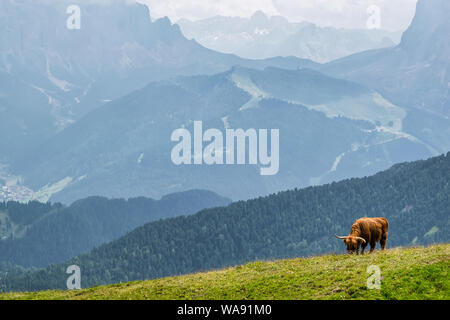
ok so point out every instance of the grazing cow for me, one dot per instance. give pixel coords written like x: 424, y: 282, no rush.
x: 366, y: 231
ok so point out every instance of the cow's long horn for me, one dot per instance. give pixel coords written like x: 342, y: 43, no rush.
x: 361, y: 239
x: 340, y: 237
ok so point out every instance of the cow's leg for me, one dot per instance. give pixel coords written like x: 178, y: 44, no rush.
x: 383, y: 241
x: 372, y: 247
x: 363, y: 247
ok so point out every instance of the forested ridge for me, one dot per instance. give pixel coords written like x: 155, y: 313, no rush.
x: 415, y: 197
x: 45, y: 233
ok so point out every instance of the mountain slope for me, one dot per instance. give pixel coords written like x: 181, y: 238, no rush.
x: 67, y: 73
x: 407, y: 274
x: 51, y: 76
x: 41, y: 234
x: 338, y: 129
x: 414, y: 197
x: 414, y: 74
x: 330, y: 129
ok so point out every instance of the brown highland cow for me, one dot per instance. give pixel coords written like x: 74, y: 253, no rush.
x: 366, y: 231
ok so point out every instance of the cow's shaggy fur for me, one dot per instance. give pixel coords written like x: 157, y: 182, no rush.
x: 367, y: 231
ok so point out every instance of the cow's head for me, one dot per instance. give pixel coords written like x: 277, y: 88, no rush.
x: 353, y: 243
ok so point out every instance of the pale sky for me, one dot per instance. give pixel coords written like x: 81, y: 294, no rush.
x: 394, y: 14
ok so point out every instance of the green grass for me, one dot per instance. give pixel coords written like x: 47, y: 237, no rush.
x: 406, y: 273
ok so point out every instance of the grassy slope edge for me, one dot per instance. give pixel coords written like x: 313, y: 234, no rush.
x: 407, y: 273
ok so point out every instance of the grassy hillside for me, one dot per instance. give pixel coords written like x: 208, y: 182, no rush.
x: 406, y: 273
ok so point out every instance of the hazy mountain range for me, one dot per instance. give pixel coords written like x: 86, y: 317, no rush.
x: 51, y: 76
x: 414, y: 74
x: 336, y: 120
x: 329, y: 129
x: 261, y: 36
